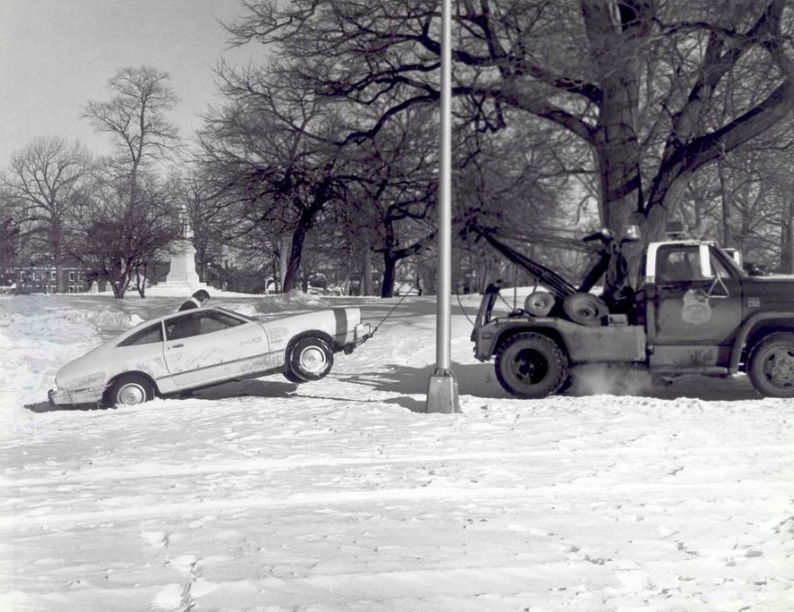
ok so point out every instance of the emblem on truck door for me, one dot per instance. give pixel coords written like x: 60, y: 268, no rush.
x: 753, y: 302
x: 696, y: 310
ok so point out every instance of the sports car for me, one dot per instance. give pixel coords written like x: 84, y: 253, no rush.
x: 207, y: 346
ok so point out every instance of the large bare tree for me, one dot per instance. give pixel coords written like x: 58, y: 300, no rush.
x: 637, y: 82
x: 275, y: 170
x: 135, y: 119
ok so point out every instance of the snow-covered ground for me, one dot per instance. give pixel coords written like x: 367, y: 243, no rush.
x: 342, y: 495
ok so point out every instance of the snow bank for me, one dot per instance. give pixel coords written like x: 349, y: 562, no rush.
x: 39, y: 334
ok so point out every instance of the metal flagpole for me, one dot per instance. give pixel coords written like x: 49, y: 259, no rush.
x: 442, y: 394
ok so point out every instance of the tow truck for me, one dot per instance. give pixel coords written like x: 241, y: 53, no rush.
x: 692, y: 310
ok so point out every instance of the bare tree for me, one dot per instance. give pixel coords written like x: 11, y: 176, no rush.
x: 635, y: 81
x: 275, y: 176
x: 131, y: 225
x: 119, y: 241
x: 135, y: 118
x: 47, y: 181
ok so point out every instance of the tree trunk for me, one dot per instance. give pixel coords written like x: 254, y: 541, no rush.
x: 120, y: 286
x: 140, y: 281
x: 727, y: 239
x: 367, y: 285
x: 292, y: 274
x: 787, y: 241
x: 285, y: 244
x: 389, y: 269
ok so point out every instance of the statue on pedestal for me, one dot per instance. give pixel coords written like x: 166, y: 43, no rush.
x: 182, y: 273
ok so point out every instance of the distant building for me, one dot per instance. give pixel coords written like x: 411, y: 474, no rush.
x: 44, y: 279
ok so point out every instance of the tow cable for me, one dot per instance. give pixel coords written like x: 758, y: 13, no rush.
x: 388, y: 314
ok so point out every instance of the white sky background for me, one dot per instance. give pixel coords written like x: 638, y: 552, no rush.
x: 56, y: 55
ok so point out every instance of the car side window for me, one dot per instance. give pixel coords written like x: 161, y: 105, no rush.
x: 148, y: 335
x: 217, y: 321
x: 199, y: 324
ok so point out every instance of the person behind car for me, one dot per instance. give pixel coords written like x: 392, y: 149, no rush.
x: 199, y: 299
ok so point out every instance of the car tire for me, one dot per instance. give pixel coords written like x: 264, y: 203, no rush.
x: 771, y: 365
x: 310, y: 358
x: 130, y: 390
x: 292, y: 377
x: 531, y: 366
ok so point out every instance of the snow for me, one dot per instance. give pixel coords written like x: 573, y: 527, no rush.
x: 341, y: 495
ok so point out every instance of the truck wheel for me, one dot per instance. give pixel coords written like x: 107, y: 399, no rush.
x: 531, y: 366
x: 771, y: 366
x: 129, y: 390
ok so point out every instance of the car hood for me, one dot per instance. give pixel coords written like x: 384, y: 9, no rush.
x: 85, y: 371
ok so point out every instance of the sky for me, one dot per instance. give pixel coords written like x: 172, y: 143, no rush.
x: 56, y: 55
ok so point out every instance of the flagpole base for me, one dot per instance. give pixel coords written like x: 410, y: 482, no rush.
x: 442, y: 394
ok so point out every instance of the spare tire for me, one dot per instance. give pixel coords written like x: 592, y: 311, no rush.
x: 585, y: 309
x: 539, y: 303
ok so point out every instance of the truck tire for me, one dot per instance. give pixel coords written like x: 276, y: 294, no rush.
x: 539, y: 303
x: 585, y: 309
x: 531, y: 366
x: 771, y: 365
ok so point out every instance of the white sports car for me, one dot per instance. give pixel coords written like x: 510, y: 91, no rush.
x: 207, y: 346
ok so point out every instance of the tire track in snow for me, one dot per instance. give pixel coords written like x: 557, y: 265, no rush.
x: 38, y: 520
x: 157, y: 471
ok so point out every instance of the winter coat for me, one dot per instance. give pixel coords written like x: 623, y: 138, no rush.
x: 191, y: 303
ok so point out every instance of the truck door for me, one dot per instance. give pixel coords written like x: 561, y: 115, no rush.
x: 697, y: 308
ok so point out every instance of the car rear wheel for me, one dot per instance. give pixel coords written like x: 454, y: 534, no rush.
x: 531, y: 366
x: 130, y: 390
x: 771, y: 366
x: 310, y: 359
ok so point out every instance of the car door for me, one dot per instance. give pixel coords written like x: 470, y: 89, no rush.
x: 695, y: 316
x: 207, y: 346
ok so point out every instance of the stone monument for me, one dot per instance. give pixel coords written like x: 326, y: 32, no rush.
x: 182, y: 276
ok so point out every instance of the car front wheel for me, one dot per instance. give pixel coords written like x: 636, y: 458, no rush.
x: 310, y: 359
x: 531, y: 366
x: 771, y: 367
x: 129, y: 390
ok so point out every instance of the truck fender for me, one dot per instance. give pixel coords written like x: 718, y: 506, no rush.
x: 550, y: 331
x: 747, y: 328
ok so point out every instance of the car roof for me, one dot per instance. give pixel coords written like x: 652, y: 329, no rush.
x: 173, y: 315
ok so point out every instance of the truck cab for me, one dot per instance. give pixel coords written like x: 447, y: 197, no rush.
x: 693, y: 309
